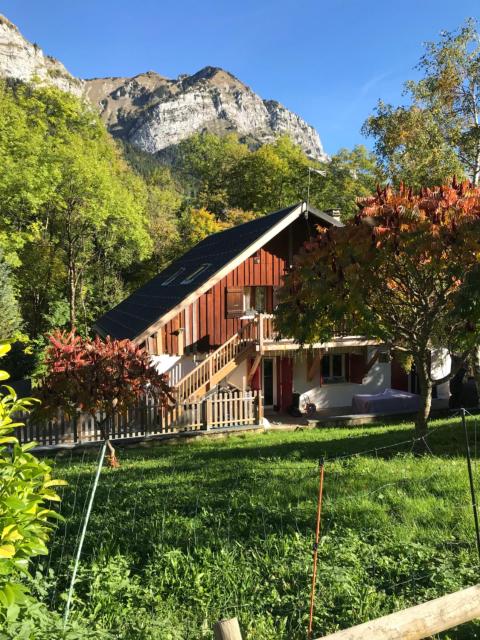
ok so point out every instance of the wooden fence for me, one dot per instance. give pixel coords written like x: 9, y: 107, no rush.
x: 218, y: 410
x: 418, y: 622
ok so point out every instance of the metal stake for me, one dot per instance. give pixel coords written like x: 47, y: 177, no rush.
x: 315, y: 546
x: 472, y: 486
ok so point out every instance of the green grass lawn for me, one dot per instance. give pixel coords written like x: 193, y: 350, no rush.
x: 182, y: 536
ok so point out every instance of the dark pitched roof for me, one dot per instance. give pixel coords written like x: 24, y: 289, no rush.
x: 153, y: 300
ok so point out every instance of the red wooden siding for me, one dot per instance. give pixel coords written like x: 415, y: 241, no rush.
x: 211, y: 327
x: 205, y: 322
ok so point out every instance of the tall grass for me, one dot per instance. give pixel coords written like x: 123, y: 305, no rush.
x: 183, y: 536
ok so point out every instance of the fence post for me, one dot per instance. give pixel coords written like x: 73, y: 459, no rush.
x: 143, y: 415
x: 259, y: 405
x: 227, y: 630
x: 76, y: 420
x: 207, y: 413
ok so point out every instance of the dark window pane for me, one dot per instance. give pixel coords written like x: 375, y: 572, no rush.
x: 260, y: 299
x: 268, y: 381
x: 326, y: 367
x: 337, y: 366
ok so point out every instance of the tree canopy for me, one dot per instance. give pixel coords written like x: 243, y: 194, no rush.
x: 399, y: 272
x: 436, y: 135
x: 223, y: 174
x: 72, y: 213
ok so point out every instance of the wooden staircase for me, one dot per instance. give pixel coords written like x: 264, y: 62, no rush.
x: 219, y: 363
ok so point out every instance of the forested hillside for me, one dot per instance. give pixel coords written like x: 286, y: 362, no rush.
x: 84, y: 220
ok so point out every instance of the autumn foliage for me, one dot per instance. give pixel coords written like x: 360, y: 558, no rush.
x: 404, y: 270
x: 98, y: 376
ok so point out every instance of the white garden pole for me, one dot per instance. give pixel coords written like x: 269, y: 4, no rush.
x: 84, y: 531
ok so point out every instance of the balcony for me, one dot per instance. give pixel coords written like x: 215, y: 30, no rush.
x: 269, y: 338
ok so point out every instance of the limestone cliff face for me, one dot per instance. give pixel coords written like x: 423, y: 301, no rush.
x: 22, y: 60
x: 155, y: 113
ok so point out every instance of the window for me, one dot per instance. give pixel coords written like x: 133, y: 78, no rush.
x: 260, y: 299
x: 196, y: 273
x: 333, y: 368
x: 174, y: 275
x: 240, y: 300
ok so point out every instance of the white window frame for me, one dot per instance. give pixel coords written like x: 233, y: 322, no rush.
x: 247, y: 299
x: 173, y: 277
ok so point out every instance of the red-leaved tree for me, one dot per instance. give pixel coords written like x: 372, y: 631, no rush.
x: 405, y: 271
x: 99, y: 377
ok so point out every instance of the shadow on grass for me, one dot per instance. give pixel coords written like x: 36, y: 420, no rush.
x: 445, y: 439
x: 238, y: 483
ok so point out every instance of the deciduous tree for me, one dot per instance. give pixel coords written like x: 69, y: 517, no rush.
x: 99, y: 377
x: 400, y: 272
x: 65, y: 193
x: 437, y: 134
x: 349, y: 175
x: 27, y: 490
x: 11, y: 319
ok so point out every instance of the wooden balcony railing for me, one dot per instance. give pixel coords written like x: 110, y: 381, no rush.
x: 214, y: 367
x: 269, y: 332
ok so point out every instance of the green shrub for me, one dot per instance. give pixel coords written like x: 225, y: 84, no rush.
x: 26, y: 490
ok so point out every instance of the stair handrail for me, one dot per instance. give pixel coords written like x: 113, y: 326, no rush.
x: 238, y: 336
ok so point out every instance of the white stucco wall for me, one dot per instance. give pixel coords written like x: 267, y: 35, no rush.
x: 340, y: 394
x: 175, y: 366
x: 238, y: 377
x: 441, y: 366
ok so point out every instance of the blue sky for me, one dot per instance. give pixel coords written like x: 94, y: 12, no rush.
x: 328, y: 60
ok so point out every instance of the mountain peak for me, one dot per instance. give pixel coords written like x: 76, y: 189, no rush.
x: 6, y: 22
x: 155, y: 113
x: 22, y: 60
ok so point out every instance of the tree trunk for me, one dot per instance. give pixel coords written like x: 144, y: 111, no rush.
x: 422, y: 364
x: 72, y: 296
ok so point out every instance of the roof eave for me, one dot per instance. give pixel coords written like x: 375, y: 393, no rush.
x: 295, y: 213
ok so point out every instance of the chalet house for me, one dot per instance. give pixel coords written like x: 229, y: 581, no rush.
x: 207, y: 320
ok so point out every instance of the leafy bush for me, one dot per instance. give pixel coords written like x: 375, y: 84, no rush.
x: 26, y: 489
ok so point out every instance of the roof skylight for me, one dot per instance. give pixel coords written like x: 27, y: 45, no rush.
x: 196, y: 273
x: 174, y: 275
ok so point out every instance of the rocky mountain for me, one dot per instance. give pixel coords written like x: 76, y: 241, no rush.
x: 25, y: 61
x: 155, y: 113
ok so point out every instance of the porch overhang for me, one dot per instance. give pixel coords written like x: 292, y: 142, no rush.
x: 341, y: 343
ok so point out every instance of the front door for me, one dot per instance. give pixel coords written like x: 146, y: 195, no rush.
x: 267, y: 382
x: 284, y: 383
